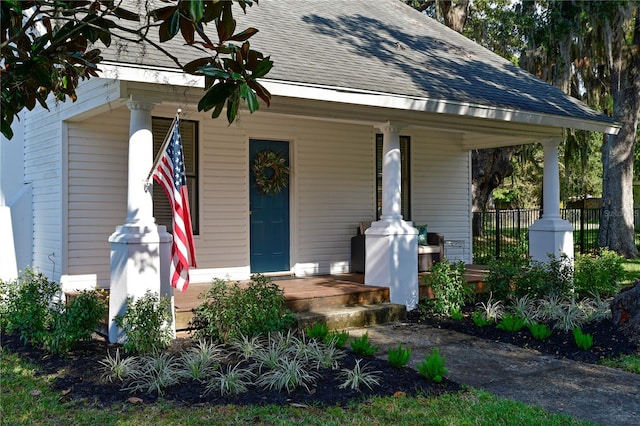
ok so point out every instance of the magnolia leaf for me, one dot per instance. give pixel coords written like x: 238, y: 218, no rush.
x: 249, y: 97
x: 263, y: 67
x: 125, y: 14
x: 163, y: 13
x: 6, y: 129
x: 195, y: 65
x: 212, y: 71
x: 244, y: 35
x: 260, y: 90
x: 196, y: 9
x: 217, y: 110
x: 187, y: 29
x: 170, y: 27
x: 216, y: 95
x: 232, y: 107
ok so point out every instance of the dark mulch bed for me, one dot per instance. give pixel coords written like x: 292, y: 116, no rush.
x: 78, y: 374
x: 608, y: 340
x: 78, y: 379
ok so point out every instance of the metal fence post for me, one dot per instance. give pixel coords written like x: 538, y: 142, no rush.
x: 497, y: 233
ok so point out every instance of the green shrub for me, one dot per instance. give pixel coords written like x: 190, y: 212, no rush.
x: 398, y: 357
x: 502, y: 278
x: 540, y: 279
x: 511, y: 323
x: 28, y: 305
x: 363, y: 346
x: 602, y: 274
x: 317, y: 331
x: 456, y: 314
x: 583, y: 340
x: 448, y: 285
x: 336, y: 338
x: 75, y: 322
x: 539, y: 331
x: 230, y: 310
x: 480, y: 320
x: 146, y: 324
x: 433, y: 366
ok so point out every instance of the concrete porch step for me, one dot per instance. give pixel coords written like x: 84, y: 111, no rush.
x: 342, y: 318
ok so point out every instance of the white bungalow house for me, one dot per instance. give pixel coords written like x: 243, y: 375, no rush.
x: 376, y: 108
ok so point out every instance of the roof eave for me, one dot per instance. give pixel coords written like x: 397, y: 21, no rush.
x: 437, y: 106
x: 172, y: 76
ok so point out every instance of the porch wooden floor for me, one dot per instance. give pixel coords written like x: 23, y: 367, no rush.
x: 317, y: 292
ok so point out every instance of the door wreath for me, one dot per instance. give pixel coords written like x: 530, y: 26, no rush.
x: 271, y: 172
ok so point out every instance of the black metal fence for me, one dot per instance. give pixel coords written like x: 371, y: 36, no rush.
x: 496, y: 232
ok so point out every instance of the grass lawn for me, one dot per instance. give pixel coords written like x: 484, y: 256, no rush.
x: 26, y: 399
x: 632, y: 266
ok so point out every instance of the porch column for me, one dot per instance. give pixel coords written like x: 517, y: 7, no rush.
x: 550, y: 235
x: 392, y: 243
x: 140, y: 250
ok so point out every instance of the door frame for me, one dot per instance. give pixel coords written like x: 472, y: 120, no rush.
x: 293, y: 218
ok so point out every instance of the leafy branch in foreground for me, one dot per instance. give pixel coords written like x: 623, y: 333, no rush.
x: 49, y: 46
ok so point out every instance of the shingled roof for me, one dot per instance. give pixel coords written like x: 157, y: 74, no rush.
x: 384, y: 47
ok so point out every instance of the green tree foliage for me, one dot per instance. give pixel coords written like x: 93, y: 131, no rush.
x: 49, y: 46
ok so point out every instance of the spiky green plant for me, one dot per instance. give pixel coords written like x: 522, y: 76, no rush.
x: 433, y: 366
x: 200, y: 361
x: 154, y: 373
x: 524, y: 307
x: 357, y: 376
x: 324, y: 356
x: 269, y: 355
x: 583, y: 340
x: 337, y: 338
x: 570, y: 318
x: 116, y: 368
x: 363, y: 346
x: 479, y: 319
x: 491, y: 309
x: 231, y: 380
x: 539, y: 331
x: 288, y: 374
x: 511, y: 323
x: 246, y: 346
x: 318, y: 330
x: 550, y: 307
x: 398, y: 357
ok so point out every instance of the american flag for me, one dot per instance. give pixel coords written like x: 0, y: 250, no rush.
x: 170, y: 174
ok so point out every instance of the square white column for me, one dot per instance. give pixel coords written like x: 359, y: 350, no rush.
x: 551, y: 235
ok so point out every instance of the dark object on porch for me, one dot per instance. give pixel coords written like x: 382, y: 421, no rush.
x: 625, y: 311
x: 427, y: 254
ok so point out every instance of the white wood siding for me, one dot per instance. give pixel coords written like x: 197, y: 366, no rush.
x: 332, y: 189
x: 441, y: 190
x: 97, y: 197
x: 45, y: 165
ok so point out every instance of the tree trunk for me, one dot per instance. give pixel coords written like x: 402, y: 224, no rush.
x: 616, y: 220
x: 455, y: 14
x: 489, y: 168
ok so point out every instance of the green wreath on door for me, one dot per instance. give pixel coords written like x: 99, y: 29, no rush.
x: 271, y: 172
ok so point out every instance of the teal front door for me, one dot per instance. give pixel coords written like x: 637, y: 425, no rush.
x: 269, y: 218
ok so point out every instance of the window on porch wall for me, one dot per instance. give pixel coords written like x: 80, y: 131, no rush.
x: 406, y: 184
x: 189, y: 135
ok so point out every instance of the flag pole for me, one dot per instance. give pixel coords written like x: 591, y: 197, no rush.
x: 147, y: 182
